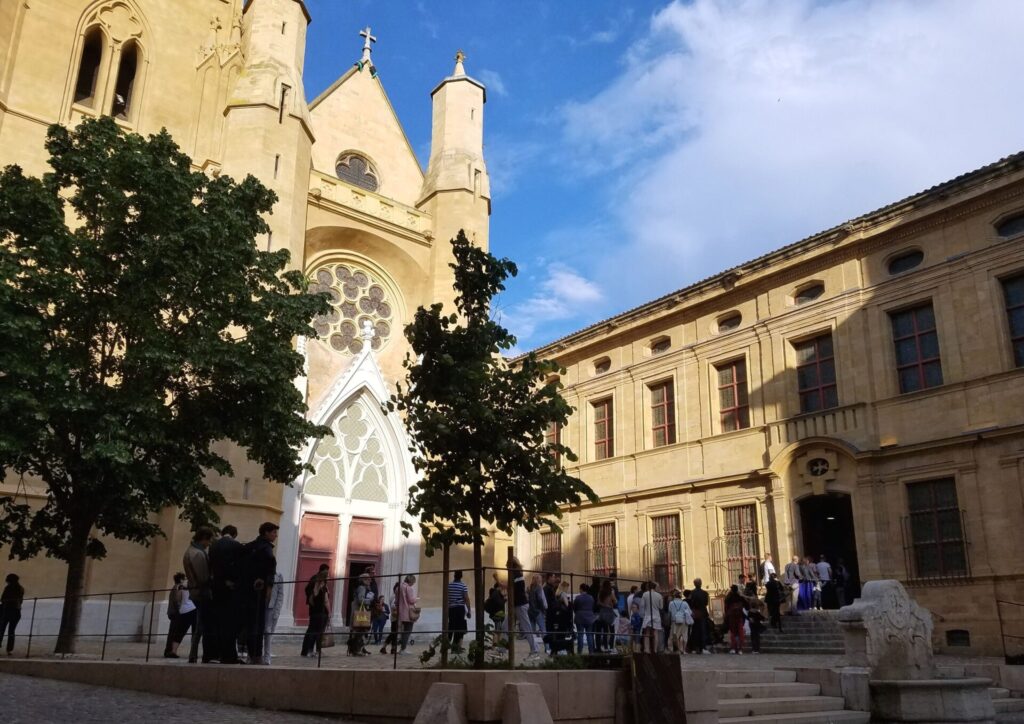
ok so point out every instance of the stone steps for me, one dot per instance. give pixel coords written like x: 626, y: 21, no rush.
x: 776, y: 696
x: 814, y: 717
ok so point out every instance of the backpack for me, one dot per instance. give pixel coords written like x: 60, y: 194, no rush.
x: 493, y: 604
x: 173, y: 606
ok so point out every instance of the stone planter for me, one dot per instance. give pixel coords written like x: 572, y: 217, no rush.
x: 932, y: 700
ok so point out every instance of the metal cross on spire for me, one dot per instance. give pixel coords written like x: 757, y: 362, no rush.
x: 365, y: 33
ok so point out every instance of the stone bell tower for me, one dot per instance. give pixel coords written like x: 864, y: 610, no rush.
x: 456, y: 190
x: 267, y: 127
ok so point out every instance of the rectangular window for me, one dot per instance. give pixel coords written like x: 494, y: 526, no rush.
x: 1013, y: 290
x: 741, y: 549
x: 917, y: 348
x: 551, y: 552
x: 604, y: 437
x: 733, y: 405
x: 938, y: 548
x: 816, y: 374
x: 602, y: 549
x: 663, y: 414
x: 553, y: 436
x: 666, y: 563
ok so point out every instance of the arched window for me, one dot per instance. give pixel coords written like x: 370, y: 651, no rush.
x: 808, y: 293
x: 905, y: 262
x: 89, y: 67
x: 121, y: 105
x: 358, y: 171
x: 729, y: 322
x: 1013, y: 226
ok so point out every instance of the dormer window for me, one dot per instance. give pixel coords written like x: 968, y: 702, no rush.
x: 1011, y: 227
x: 661, y: 345
x: 602, y: 365
x: 808, y: 293
x: 358, y: 171
x: 729, y: 322
x: 905, y: 262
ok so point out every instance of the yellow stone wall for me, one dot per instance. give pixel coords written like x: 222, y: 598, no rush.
x: 970, y: 428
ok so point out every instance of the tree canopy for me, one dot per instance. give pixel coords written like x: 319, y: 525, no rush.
x: 477, y: 423
x: 140, y: 324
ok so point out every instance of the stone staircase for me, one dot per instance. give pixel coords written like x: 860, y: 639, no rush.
x: 777, y: 697
x: 1008, y: 708
x: 811, y: 632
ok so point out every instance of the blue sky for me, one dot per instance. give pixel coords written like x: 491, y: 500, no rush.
x: 637, y: 147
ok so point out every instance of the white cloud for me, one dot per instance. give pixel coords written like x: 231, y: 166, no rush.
x: 559, y: 296
x: 736, y: 128
x: 493, y: 80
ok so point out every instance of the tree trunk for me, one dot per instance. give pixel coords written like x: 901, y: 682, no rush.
x: 478, y: 593
x: 74, y: 588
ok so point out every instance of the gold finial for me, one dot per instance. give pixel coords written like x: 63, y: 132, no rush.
x: 460, y: 57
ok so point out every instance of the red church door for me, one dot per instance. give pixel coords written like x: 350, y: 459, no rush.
x: 318, y: 542
x: 365, y: 542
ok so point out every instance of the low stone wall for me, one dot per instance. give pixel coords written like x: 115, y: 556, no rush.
x: 579, y: 697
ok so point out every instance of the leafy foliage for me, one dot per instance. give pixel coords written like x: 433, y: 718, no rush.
x: 140, y: 327
x: 477, y: 423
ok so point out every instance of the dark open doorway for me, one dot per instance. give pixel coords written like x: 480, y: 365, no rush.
x: 827, y: 525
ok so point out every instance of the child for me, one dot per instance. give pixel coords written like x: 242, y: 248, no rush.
x: 381, y: 616
x: 636, y: 623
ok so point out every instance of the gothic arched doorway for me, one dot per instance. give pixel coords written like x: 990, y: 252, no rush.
x: 826, y: 523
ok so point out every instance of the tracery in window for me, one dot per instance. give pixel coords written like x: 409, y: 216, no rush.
x: 89, y: 67
x: 349, y: 462
x: 358, y: 171
x: 357, y: 297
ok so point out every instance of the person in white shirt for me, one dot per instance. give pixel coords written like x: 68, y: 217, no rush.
x: 767, y: 569
x: 651, y: 604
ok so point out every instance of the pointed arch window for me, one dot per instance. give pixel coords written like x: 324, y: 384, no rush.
x: 127, y: 72
x: 89, y: 66
x: 358, y: 171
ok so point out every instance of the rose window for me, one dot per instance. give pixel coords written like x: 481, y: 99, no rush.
x: 356, y: 298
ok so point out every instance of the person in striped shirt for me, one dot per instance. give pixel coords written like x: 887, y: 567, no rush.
x: 458, y: 609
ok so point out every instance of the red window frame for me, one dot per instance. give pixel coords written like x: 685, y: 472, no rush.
x: 604, y: 434
x: 919, y: 330
x: 821, y: 394
x: 733, y: 402
x: 551, y: 552
x: 936, y: 529
x: 603, y: 552
x: 666, y: 561
x: 663, y: 433
x: 1015, y: 311
x: 741, y: 543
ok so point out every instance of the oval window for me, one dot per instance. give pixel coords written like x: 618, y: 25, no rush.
x: 905, y: 262
x: 729, y: 322
x: 661, y: 345
x: 602, y: 365
x: 1012, y: 226
x: 809, y: 293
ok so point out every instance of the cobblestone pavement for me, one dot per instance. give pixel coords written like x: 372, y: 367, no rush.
x: 29, y: 700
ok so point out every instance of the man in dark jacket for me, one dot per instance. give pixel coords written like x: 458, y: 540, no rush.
x: 700, y: 635
x: 260, y: 567
x: 225, y: 555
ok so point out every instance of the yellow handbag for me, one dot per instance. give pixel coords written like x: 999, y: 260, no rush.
x: 361, y: 617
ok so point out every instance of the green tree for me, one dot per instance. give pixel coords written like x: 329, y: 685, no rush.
x: 477, y: 423
x: 140, y: 324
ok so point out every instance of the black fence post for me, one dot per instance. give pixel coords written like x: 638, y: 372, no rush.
x: 31, y: 626
x: 106, y: 627
x: 149, y: 636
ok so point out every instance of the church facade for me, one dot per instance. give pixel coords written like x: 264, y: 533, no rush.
x: 857, y: 394
x: 356, y: 211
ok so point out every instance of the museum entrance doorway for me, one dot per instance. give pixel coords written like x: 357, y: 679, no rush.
x: 827, y: 525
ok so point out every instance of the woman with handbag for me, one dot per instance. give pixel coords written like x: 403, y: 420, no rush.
x: 408, y: 611
x: 182, y: 613
x: 359, y: 617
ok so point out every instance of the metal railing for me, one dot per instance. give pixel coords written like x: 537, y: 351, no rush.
x: 123, y: 625
x: 1002, y: 632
